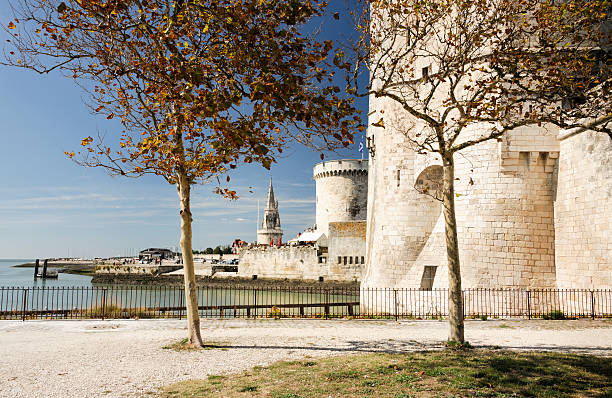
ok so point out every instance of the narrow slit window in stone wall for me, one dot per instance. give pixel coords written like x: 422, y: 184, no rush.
x: 344, y: 260
x: 362, y: 262
x: 398, y: 177
x: 339, y: 259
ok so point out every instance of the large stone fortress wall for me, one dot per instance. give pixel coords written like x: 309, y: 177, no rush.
x: 341, y: 191
x: 583, y: 212
x: 281, y: 262
x: 533, y: 211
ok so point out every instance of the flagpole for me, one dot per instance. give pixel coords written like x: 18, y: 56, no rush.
x: 256, y: 229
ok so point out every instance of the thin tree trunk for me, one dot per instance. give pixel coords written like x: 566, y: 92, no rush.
x: 191, y: 298
x: 455, y: 298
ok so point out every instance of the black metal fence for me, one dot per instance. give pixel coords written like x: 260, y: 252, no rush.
x: 126, y: 302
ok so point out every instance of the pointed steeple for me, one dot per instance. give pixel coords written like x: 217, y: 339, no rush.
x: 271, y: 203
x: 270, y: 226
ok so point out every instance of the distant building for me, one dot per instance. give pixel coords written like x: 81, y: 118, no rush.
x: 270, y: 232
x: 153, y: 253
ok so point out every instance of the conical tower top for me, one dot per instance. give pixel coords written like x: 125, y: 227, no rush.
x: 271, y: 203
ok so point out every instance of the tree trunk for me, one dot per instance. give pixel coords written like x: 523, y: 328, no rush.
x: 191, y: 298
x: 455, y: 298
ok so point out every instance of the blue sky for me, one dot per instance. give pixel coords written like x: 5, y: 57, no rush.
x: 51, y: 207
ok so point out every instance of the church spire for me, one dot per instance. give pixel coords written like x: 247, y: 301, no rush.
x: 270, y: 227
x: 271, y: 203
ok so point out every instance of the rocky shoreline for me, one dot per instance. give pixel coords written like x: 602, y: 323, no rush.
x: 66, y: 267
x: 178, y: 280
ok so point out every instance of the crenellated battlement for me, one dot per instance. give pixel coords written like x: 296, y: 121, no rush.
x: 347, y: 167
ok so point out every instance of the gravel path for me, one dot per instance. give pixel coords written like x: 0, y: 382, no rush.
x: 125, y: 358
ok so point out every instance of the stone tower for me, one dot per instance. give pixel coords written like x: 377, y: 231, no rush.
x: 532, y: 208
x: 270, y: 227
x: 505, y: 194
x: 342, y: 191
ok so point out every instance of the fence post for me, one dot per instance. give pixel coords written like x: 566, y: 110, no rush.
x: 528, y: 304
x: 326, y: 303
x: 255, y: 304
x: 181, y: 304
x: 103, y: 302
x: 592, y: 305
x: 25, y: 300
x: 395, y: 303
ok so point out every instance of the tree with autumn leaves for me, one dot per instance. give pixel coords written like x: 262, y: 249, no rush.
x: 199, y: 86
x: 453, y: 67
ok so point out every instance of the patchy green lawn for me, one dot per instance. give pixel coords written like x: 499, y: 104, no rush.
x: 449, y: 373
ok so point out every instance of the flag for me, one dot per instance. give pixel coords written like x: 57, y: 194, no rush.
x: 361, y: 147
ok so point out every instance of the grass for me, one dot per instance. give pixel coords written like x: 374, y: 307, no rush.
x: 113, y: 311
x: 554, y: 315
x: 448, y: 373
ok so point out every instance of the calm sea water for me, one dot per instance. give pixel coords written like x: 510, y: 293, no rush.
x: 133, y: 297
x: 24, y: 277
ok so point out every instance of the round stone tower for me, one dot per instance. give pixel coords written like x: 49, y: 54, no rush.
x: 342, y: 191
x: 504, y: 208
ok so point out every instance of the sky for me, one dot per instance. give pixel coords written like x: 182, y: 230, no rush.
x: 51, y: 207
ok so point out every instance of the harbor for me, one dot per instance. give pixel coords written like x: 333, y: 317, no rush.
x: 20, y: 273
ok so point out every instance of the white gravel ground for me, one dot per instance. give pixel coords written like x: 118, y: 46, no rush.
x: 125, y: 358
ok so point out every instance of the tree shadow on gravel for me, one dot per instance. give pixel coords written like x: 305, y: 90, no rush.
x: 381, y: 346
x: 402, y: 346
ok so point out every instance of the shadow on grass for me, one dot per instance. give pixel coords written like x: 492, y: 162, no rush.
x: 541, y: 374
x: 445, y: 373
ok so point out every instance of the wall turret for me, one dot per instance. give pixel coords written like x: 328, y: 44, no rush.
x: 342, y: 191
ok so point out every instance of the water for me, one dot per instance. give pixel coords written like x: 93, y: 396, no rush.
x: 24, y: 277
x: 54, y: 302
x: 51, y: 298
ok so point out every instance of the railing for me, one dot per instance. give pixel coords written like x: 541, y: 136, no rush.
x: 126, y: 302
